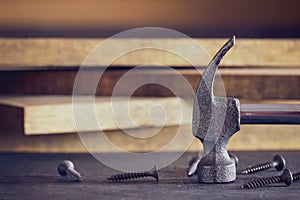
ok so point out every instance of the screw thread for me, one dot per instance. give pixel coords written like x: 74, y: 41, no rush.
x: 296, y: 176
x: 128, y: 176
x: 258, y: 168
x: 261, y: 182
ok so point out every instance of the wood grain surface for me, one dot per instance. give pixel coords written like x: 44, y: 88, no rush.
x: 47, y: 53
x: 250, y: 137
x: 245, y: 84
x: 55, y: 114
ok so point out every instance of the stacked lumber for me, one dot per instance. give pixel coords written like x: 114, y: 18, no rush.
x: 38, y: 74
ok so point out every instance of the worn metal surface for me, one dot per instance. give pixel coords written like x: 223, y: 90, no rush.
x: 215, y: 120
x: 192, y: 170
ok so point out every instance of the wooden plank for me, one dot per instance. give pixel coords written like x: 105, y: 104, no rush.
x: 54, y: 114
x: 50, y: 53
x: 250, y: 137
x: 246, y: 84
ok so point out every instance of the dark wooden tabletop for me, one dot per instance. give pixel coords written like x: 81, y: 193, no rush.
x: 34, y: 176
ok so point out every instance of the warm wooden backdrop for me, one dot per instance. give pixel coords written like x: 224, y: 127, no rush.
x: 256, y: 70
x: 214, y: 18
x: 40, y: 54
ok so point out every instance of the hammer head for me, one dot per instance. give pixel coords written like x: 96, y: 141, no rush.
x: 215, y: 120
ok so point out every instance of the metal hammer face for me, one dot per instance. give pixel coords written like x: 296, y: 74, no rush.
x: 215, y: 120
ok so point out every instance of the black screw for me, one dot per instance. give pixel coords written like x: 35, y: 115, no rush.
x: 278, y: 163
x: 296, y: 176
x: 133, y: 175
x: 66, y: 169
x: 286, y: 177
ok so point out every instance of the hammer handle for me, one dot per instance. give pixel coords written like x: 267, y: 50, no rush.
x: 270, y: 114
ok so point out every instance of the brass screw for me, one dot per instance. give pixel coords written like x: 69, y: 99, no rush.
x: 134, y: 175
x: 278, y: 163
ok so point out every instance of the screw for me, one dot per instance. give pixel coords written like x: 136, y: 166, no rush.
x: 278, y: 163
x: 132, y: 175
x: 66, y: 168
x: 196, y: 159
x: 286, y: 177
x: 193, y: 165
x: 234, y: 158
x: 296, y: 176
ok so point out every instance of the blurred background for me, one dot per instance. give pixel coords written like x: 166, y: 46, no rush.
x: 43, y: 43
x: 196, y: 18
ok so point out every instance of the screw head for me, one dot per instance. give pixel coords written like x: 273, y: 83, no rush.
x: 155, y: 172
x: 279, y: 159
x: 63, y: 166
x: 287, y: 177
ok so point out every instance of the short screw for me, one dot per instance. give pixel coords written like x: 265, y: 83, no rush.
x: 133, y: 175
x: 66, y: 169
x: 278, y: 163
x: 192, y: 170
x: 286, y: 177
